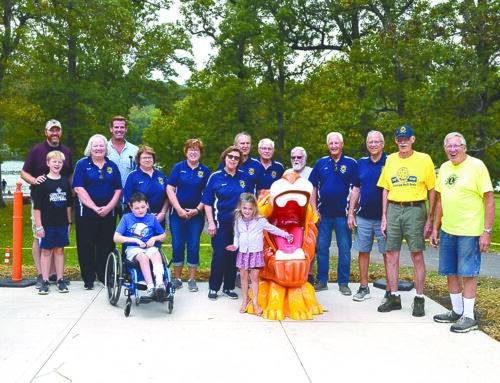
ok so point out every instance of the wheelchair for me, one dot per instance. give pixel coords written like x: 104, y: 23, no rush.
x: 120, y: 272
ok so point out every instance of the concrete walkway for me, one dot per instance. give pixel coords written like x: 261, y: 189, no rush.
x: 80, y: 337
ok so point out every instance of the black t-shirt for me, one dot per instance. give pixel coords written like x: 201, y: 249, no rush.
x: 52, y: 198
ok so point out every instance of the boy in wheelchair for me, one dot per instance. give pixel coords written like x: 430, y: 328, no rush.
x: 139, y: 231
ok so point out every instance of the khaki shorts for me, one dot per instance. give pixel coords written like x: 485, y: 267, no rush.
x: 406, y: 222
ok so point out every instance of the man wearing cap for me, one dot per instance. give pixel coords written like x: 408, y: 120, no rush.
x: 332, y: 180
x: 365, y: 209
x: 34, y: 172
x: 408, y: 179
x: 273, y: 170
x: 298, y: 157
x: 465, y: 213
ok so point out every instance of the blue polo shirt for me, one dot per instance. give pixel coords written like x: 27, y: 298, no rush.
x: 189, y: 184
x: 334, y: 187
x: 100, y: 191
x: 271, y: 174
x: 366, y: 178
x: 254, y: 170
x: 223, y: 193
x: 154, y: 188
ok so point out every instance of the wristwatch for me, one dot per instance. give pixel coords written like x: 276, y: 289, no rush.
x: 488, y: 231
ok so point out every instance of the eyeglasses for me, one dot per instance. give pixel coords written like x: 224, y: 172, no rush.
x: 193, y: 150
x: 452, y: 147
x: 297, y: 157
x: 374, y: 142
x: 101, y: 175
x: 402, y: 139
x: 147, y: 158
x: 231, y: 157
x: 266, y: 149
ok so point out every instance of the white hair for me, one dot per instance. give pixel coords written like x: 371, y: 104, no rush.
x: 455, y: 134
x: 241, y: 134
x: 266, y: 141
x: 334, y: 134
x: 298, y: 148
x: 91, y: 140
x: 373, y: 132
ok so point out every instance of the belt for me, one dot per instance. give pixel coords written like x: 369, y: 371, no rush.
x: 413, y: 203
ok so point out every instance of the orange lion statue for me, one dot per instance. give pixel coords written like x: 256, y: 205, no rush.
x: 283, y: 287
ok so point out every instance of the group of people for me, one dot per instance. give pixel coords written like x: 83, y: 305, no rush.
x: 387, y: 197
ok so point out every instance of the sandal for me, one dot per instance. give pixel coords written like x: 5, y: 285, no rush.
x: 258, y: 312
x: 244, y: 307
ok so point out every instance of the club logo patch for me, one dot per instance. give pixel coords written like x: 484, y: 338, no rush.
x: 160, y: 180
x: 273, y: 174
x: 251, y: 171
x: 109, y: 170
x: 403, y: 129
x: 451, y: 180
x: 242, y: 183
x: 343, y: 168
x: 200, y: 174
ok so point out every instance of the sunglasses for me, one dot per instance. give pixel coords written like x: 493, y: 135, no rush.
x: 335, y: 168
x: 231, y: 157
x: 297, y: 157
x: 101, y: 175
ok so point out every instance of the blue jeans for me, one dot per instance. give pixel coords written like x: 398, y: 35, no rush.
x: 344, y: 243
x: 186, y: 233
x: 459, y: 255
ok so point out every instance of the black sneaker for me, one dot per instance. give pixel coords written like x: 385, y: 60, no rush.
x: 448, y: 317
x: 39, y: 281
x: 44, y: 288
x: 310, y: 279
x: 212, y: 294
x: 88, y: 285
x: 61, y: 286
x: 464, y: 324
x: 386, y: 296
x: 230, y: 294
x: 318, y: 286
x: 160, y: 292
x: 53, y: 279
x: 393, y: 303
x: 418, y: 307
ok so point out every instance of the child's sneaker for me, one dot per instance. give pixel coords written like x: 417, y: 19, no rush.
x: 160, y: 292
x: 61, y: 286
x: 44, y: 288
x: 150, y: 293
x: 39, y: 281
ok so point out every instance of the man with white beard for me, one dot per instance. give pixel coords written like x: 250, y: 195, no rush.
x: 299, y: 157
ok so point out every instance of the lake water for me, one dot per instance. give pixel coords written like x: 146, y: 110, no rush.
x: 11, y: 172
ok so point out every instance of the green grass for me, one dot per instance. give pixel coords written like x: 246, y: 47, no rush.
x: 70, y: 251
x: 205, y: 251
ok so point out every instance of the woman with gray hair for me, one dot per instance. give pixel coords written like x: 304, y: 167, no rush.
x: 98, y: 188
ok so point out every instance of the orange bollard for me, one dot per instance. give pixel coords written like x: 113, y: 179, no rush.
x: 6, y: 261
x: 17, y: 231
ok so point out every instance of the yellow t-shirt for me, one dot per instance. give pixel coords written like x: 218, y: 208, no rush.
x: 462, y: 191
x: 408, y: 179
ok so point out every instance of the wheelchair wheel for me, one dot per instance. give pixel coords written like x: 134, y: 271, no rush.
x: 113, y: 276
x: 128, y: 305
x: 170, y: 306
